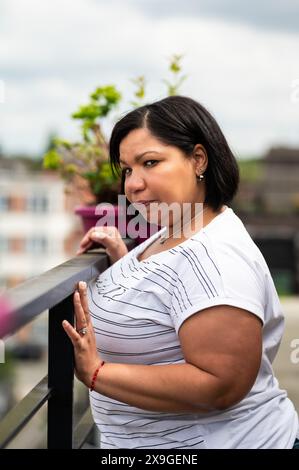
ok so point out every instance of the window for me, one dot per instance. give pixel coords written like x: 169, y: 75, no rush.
x: 4, y: 203
x: 4, y: 244
x: 37, y: 204
x: 36, y: 245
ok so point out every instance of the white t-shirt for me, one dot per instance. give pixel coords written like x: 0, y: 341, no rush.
x: 137, y: 309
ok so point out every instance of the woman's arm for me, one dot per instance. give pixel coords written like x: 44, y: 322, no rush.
x: 222, y: 349
x: 167, y: 388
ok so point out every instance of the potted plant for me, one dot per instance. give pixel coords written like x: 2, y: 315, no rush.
x: 85, y: 164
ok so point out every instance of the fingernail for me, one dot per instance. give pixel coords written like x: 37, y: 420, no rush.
x: 99, y: 235
x: 82, y: 285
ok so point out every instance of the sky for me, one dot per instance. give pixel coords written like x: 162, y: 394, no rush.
x: 241, y: 60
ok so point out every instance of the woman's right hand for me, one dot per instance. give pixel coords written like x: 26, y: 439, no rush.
x: 109, y: 237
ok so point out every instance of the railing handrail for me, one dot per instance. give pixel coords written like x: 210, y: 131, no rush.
x: 43, y: 292
x: 17, y: 418
x: 53, y: 291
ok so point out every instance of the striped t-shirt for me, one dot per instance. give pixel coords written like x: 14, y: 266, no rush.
x: 137, y: 308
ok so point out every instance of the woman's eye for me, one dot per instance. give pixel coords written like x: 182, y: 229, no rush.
x: 150, y: 161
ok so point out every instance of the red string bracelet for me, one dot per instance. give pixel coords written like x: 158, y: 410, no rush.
x: 95, y: 375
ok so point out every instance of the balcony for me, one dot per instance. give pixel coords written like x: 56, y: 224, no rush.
x: 52, y: 291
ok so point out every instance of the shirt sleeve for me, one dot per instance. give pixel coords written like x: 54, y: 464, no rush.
x: 209, y: 277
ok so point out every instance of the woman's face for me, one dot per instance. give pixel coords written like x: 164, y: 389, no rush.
x: 158, y: 172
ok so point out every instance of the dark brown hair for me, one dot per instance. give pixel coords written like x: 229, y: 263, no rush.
x: 182, y: 122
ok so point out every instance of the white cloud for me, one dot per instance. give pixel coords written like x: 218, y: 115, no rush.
x: 53, y: 53
x: 277, y: 15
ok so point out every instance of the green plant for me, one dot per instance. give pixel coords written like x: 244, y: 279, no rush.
x: 89, y: 158
x: 175, y: 69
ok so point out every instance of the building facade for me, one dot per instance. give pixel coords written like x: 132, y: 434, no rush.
x: 38, y: 229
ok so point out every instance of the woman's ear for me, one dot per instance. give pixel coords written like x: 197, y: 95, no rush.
x: 201, y: 159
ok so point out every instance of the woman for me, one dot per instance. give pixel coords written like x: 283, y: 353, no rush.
x: 188, y: 323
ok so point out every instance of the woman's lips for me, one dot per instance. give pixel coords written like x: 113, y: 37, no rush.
x: 145, y: 203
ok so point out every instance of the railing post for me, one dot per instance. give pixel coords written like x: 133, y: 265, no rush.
x: 60, y: 377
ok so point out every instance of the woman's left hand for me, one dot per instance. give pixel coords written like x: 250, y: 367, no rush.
x: 83, y: 337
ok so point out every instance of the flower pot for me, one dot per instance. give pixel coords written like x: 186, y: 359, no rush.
x: 112, y: 215
x: 6, y: 320
x: 90, y: 216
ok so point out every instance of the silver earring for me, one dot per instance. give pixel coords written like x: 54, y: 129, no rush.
x: 200, y: 178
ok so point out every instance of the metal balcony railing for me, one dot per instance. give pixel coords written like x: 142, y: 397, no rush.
x: 53, y: 291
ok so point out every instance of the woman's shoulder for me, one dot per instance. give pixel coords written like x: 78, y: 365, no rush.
x: 227, y: 230
x: 227, y: 242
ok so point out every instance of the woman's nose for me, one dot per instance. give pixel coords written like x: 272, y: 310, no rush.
x: 134, y: 183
